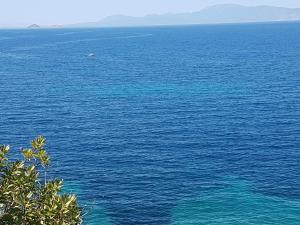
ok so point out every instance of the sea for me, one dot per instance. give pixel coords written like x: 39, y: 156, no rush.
x: 187, y: 125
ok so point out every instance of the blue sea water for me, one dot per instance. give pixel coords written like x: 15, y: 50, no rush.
x: 164, y: 125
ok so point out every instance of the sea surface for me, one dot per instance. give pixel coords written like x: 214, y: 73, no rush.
x: 182, y: 125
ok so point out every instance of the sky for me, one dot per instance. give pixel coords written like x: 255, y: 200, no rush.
x: 56, y: 12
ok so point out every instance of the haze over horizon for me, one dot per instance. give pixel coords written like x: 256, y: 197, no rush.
x: 16, y: 13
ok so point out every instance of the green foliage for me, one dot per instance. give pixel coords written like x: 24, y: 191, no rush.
x: 25, y: 199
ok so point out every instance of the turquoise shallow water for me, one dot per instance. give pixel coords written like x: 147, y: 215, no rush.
x: 149, y: 130
x: 236, y: 204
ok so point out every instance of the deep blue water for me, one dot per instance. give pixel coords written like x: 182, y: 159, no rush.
x: 165, y: 125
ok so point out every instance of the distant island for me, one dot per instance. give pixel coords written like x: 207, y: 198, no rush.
x: 33, y: 26
x: 228, y: 13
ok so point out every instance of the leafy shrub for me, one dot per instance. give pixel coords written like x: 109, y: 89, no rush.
x: 28, y: 199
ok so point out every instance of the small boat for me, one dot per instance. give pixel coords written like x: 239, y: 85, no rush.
x: 91, y: 55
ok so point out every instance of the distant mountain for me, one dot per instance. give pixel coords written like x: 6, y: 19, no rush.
x: 34, y: 26
x: 228, y: 13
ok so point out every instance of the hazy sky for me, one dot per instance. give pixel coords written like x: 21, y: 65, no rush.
x: 49, y: 12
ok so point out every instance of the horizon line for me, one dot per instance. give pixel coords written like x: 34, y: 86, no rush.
x: 67, y: 25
